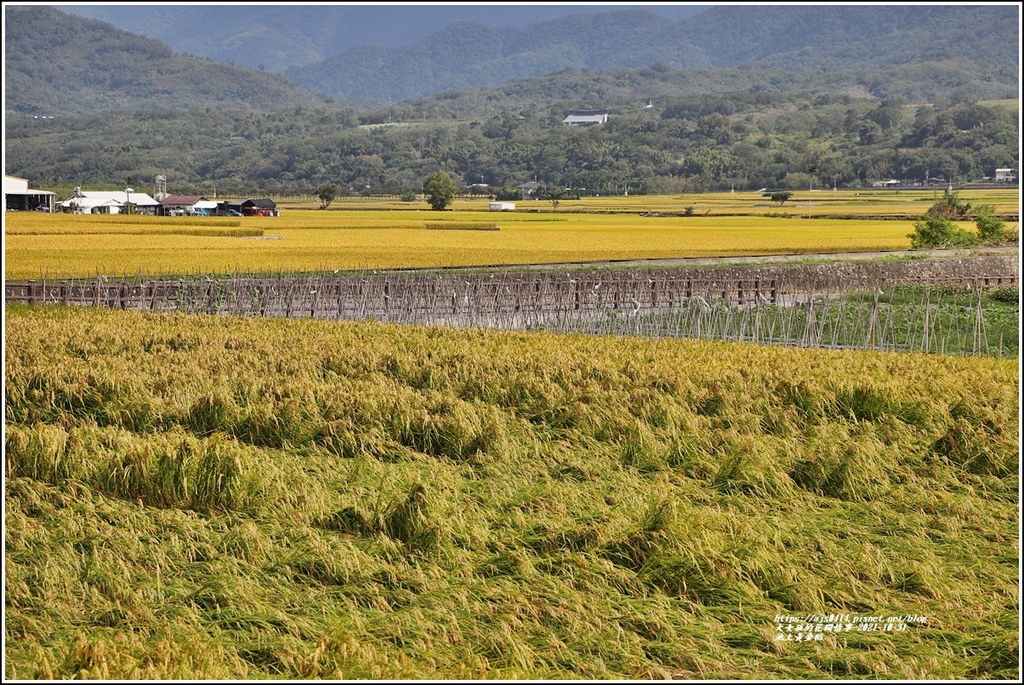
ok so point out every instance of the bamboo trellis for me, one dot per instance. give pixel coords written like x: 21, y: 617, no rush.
x: 935, y: 314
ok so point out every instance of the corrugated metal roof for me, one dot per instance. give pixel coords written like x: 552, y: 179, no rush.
x: 182, y: 200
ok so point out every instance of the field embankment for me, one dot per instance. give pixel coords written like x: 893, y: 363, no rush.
x: 947, y: 305
x: 197, y: 497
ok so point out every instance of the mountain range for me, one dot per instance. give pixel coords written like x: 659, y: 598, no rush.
x: 469, y: 53
x: 276, y: 37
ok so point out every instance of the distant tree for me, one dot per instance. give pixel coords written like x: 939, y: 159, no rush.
x: 507, y: 194
x: 940, y: 232
x: 949, y: 206
x: 554, y: 195
x: 439, y: 189
x: 779, y: 196
x: 326, y: 194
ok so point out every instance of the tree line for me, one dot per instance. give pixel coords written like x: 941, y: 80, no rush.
x: 744, y: 140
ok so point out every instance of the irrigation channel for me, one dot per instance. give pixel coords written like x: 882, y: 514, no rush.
x: 948, y: 306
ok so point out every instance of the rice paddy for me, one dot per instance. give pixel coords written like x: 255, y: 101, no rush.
x: 196, y: 497
x: 211, y: 497
x: 380, y: 235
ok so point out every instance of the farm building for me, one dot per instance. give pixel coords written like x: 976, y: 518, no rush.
x: 19, y: 197
x: 529, y: 189
x: 503, y: 206
x: 263, y: 206
x: 109, y: 202
x: 1006, y: 176
x: 190, y: 205
x: 586, y: 117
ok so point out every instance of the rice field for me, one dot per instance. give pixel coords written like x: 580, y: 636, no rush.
x: 198, y: 497
x: 381, y: 235
x: 821, y: 202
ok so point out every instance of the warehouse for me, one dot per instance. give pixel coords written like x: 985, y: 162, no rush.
x: 19, y: 197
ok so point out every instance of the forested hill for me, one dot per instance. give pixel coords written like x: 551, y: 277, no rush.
x: 61, y: 64
x: 143, y: 110
x: 467, y: 54
x: 853, y: 35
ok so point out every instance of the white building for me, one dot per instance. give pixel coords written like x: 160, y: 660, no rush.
x: 178, y: 205
x: 1006, y: 175
x: 586, y: 117
x: 109, y: 202
x: 19, y: 197
x: 503, y: 206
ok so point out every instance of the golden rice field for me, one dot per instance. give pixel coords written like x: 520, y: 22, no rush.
x: 196, y: 497
x: 870, y: 202
x: 358, y: 234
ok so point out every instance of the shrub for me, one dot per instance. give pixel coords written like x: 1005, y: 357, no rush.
x: 991, y: 229
x: 1009, y: 293
x: 937, y: 231
x: 949, y: 206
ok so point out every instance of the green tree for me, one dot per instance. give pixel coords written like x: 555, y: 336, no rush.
x: 780, y: 196
x: 506, y: 194
x: 991, y: 229
x: 940, y: 232
x: 326, y: 194
x: 439, y: 189
x: 554, y: 195
x: 949, y: 206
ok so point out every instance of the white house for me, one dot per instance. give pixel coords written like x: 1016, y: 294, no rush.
x: 586, y: 117
x: 1006, y: 175
x: 109, y: 202
x: 19, y: 197
x: 503, y: 206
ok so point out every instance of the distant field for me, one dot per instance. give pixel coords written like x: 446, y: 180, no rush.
x: 819, y: 201
x: 358, y: 233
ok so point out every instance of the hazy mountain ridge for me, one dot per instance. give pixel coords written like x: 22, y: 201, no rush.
x: 472, y: 55
x: 282, y: 36
x: 65, y: 64
x: 794, y: 37
x: 59, y: 63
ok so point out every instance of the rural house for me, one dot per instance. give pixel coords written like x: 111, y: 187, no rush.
x: 263, y: 206
x: 586, y: 117
x: 529, y: 189
x: 190, y: 205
